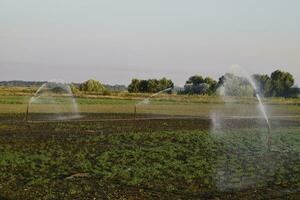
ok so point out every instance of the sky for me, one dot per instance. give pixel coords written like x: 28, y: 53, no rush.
x: 115, y: 40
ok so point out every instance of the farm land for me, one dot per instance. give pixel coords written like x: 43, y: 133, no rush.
x: 166, y: 150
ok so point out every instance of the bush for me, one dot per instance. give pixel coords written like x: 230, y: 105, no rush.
x: 150, y: 85
x: 199, y: 85
x: 92, y: 86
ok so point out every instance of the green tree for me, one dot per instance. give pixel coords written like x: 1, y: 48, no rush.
x: 264, y: 84
x: 195, y: 80
x: 74, y: 88
x: 93, y: 86
x: 133, y: 87
x: 153, y: 85
x: 164, y: 83
x: 198, y: 85
x: 143, y: 87
x: 213, y: 85
x: 150, y: 85
x: 282, y: 82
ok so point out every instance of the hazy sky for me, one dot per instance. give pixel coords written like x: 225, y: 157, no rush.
x: 114, y: 41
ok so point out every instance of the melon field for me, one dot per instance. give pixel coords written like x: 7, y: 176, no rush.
x: 165, y: 150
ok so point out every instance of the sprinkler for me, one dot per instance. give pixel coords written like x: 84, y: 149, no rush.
x: 269, y: 138
x: 147, y: 100
x: 231, y: 86
x: 27, y: 111
x: 134, y: 114
x: 262, y: 108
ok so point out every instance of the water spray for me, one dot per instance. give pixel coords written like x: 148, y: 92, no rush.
x: 238, y: 72
x: 263, y: 110
x: 45, y: 91
x: 147, y: 100
x: 261, y: 107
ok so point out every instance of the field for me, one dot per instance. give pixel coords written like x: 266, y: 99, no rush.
x: 166, y: 150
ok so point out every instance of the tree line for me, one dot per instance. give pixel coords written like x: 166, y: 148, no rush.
x: 75, y: 86
x: 278, y: 84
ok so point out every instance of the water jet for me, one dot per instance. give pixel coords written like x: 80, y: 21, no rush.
x: 147, y: 100
x: 238, y: 86
x: 54, y: 100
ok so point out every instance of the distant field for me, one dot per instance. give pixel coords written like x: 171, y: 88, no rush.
x: 165, y: 105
